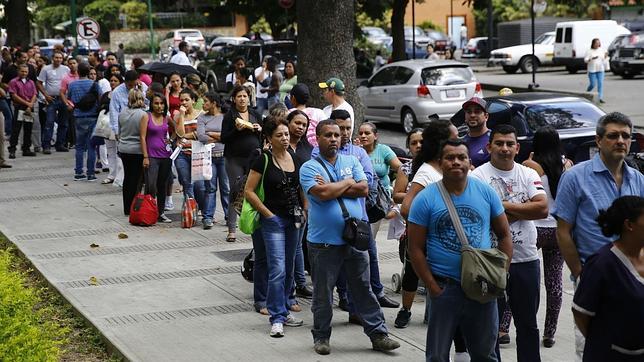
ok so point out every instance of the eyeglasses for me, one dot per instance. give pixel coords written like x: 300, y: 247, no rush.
x: 615, y: 135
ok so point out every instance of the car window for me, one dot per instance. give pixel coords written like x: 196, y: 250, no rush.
x: 559, y: 36
x: 402, y: 75
x: 568, y: 35
x: 193, y: 34
x: 563, y: 115
x: 449, y: 75
x: 383, y: 77
x: 283, y: 52
x: 169, y: 35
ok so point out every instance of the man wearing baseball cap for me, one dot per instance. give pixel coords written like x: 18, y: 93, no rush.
x: 478, y: 134
x: 333, y: 90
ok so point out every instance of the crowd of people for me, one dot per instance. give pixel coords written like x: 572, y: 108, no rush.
x: 313, y: 186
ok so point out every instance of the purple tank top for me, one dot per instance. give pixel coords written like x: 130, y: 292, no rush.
x: 156, y: 137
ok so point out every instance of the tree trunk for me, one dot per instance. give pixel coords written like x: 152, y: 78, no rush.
x: 398, y: 29
x: 325, y: 49
x: 18, y: 25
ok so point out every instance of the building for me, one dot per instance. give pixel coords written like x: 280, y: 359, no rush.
x: 448, y: 14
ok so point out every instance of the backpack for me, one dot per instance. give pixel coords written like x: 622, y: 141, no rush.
x: 89, y: 100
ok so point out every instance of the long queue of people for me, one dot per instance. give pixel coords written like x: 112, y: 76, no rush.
x: 313, y: 187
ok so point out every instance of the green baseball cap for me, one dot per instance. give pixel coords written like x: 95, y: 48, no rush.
x: 333, y: 83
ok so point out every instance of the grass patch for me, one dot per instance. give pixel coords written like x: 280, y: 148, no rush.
x: 36, y: 323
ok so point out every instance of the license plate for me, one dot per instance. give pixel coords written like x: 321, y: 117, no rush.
x: 453, y: 93
x: 592, y: 151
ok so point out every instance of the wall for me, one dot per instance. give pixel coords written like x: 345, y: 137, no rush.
x: 438, y: 12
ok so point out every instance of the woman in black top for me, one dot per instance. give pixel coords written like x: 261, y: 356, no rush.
x: 282, y: 218
x: 240, y: 133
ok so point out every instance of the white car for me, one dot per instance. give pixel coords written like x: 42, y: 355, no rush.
x: 520, y: 56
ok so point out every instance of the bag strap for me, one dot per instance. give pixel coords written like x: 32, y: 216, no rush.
x: 456, y: 220
x: 345, y: 213
x: 264, y: 172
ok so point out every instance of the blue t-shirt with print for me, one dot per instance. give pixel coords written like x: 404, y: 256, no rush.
x: 476, y: 207
x: 325, y: 217
x: 380, y: 158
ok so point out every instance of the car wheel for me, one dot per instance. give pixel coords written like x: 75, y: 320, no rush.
x: 510, y: 69
x: 571, y: 69
x: 527, y: 63
x: 627, y: 75
x: 408, y: 120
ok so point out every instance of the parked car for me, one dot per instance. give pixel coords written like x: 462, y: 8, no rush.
x: 574, y: 118
x: 171, y: 41
x: 217, y: 67
x: 478, y: 48
x: 84, y: 46
x: 219, y: 42
x: 440, y: 41
x: 520, y: 56
x: 619, y: 41
x: 377, y: 36
x: 573, y: 38
x: 630, y: 57
x: 410, y: 91
x: 416, y: 38
x: 47, y: 46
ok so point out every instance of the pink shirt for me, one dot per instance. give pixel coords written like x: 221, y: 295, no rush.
x: 316, y: 115
x: 145, y: 78
x: 25, y: 90
x: 68, y: 78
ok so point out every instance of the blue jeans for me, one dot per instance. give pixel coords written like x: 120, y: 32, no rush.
x: 523, y: 299
x: 300, y: 276
x: 5, y: 108
x: 596, y: 78
x: 260, y: 270
x: 262, y: 105
x: 374, y: 273
x: 219, y: 181
x: 84, y: 129
x: 326, y: 263
x: 183, y: 164
x: 280, y: 239
x: 479, y: 324
x: 56, y: 112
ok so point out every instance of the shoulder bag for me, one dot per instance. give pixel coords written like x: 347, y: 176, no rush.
x: 483, y: 273
x: 377, y: 202
x: 249, y: 217
x: 356, y: 232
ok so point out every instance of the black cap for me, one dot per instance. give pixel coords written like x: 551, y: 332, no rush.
x: 301, y: 93
x: 476, y: 101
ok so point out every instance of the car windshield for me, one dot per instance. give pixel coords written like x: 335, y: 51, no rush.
x: 436, y: 35
x: 417, y: 31
x: 192, y: 34
x: 563, y: 115
x: 447, y: 75
x: 545, y: 39
x: 375, y: 32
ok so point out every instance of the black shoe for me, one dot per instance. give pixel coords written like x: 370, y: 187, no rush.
x: 5, y: 165
x: 46, y: 151
x: 12, y: 155
x: 384, y: 343
x: 304, y: 292
x: 62, y: 149
x: 343, y: 304
x: 548, y: 342
x: 28, y: 154
x: 601, y: 101
x: 504, y: 339
x: 322, y: 347
x: 355, y: 319
x: 402, y: 319
x: 387, y: 302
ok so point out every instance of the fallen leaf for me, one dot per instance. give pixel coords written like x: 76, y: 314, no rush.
x: 111, y: 204
x: 123, y: 236
x: 65, y: 185
x: 92, y: 245
x: 93, y: 281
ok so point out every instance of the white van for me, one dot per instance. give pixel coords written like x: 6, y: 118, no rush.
x: 573, y: 38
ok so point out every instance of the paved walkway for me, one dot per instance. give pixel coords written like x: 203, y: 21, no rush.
x: 170, y: 294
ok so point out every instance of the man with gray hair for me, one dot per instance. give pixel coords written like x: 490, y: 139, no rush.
x: 589, y: 187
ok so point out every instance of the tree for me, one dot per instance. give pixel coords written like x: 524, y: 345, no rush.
x: 135, y: 14
x: 18, y: 27
x: 106, y: 12
x: 48, y: 17
x: 325, y: 48
x: 277, y: 17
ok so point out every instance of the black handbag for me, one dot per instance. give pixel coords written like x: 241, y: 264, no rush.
x: 356, y: 232
x: 377, y: 202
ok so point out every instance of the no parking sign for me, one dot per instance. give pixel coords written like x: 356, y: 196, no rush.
x: 88, y: 28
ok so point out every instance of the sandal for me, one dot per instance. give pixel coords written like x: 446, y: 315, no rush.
x: 107, y: 181
x: 263, y: 311
x: 231, y: 238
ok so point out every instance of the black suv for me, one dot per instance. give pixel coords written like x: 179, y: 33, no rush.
x: 629, y: 57
x: 217, y: 67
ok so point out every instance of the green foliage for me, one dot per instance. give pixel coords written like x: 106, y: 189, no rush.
x: 384, y: 21
x: 52, y: 15
x: 136, y: 13
x: 137, y: 46
x: 188, y: 21
x: 260, y: 25
x: 428, y: 24
x: 25, y: 332
x: 106, y: 12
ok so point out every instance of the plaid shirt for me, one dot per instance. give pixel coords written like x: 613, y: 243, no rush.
x: 24, y: 90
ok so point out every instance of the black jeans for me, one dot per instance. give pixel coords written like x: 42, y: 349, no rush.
x: 157, y: 178
x: 132, y: 178
x: 15, y: 132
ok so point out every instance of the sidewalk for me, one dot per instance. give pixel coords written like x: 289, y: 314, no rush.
x: 171, y: 294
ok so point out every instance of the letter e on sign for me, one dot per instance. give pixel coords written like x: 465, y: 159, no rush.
x: 88, y: 28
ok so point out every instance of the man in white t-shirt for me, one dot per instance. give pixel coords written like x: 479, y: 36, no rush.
x: 181, y: 57
x: 334, y: 94
x: 262, y: 80
x: 524, y: 200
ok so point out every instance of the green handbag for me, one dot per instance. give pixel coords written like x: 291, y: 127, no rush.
x: 249, y: 217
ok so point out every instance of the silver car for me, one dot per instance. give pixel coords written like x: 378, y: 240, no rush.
x: 411, y: 91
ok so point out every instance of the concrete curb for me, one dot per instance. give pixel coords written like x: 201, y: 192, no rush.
x: 497, y: 87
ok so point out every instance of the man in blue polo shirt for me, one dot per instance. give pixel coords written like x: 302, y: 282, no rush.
x: 328, y: 252
x: 591, y: 186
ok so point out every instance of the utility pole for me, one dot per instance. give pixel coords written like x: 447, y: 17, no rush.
x: 152, y: 44
x: 74, y: 32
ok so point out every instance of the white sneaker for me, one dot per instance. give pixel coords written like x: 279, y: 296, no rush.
x: 461, y: 357
x: 291, y: 321
x: 277, y: 330
x: 169, y: 205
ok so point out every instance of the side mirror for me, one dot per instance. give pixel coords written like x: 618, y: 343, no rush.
x: 364, y: 83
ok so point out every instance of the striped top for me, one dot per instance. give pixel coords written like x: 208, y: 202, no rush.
x: 189, y: 126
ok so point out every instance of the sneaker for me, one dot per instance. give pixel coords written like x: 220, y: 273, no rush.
x: 343, y: 304
x: 322, y: 347
x: 37, y: 149
x: 504, y: 339
x: 79, y: 177
x: 461, y: 357
x: 386, y: 302
x: 384, y: 343
x: 164, y: 219
x: 91, y: 178
x: 548, y: 342
x: 169, y: 205
x: 12, y: 155
x: 402, y: 319
x: 304, y: 292
x: 291, y: 321
x: 62, y: 149
x: 277, y: 330
x: 28, y: 153
x: 207, y: 224
x: 46, y: 151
